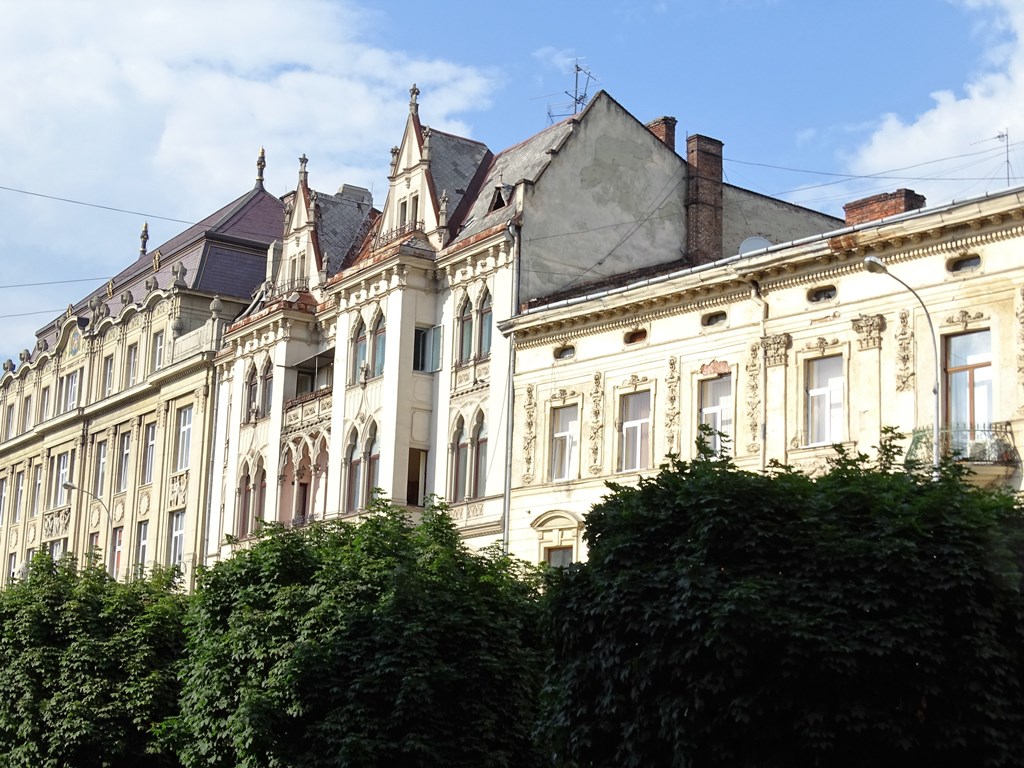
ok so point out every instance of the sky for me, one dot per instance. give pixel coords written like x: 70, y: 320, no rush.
x: 118, y: 113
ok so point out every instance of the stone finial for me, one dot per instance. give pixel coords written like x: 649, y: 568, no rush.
x: 24, y: 356
x: 127, y: 298
x: 261, y: 164
x: 414, y: 107
x: 143, y: 238
x: 179, y: 271
x: 216, y: 306
x: 426, y: 143
x: 442, y: 212
x: 394, y: 159
x: 303, y: 174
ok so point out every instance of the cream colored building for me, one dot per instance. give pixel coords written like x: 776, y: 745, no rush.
x: 789, y: 350
x: 106, y: 420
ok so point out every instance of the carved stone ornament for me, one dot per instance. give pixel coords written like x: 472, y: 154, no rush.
x: 715, y: 368
x: 177, y: 490
x: 119, y: 511
x: 144, y: 504
x: 56, y: 523
x: 775, y: 347
x: 963, y: 317
x: 14, y: 538
x: 563, y: 394
x: 869, y: 331
x: 753, y: 371
x: 821, y: 344
x: 672, y: 407
x: 635, y: 381
x: 30, y: 534
x: 904, y: 354
x: 596, y: 429
x: 530, y: 407
x: 94, y: 516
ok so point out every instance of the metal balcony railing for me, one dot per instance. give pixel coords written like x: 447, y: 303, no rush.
x: 973, y: 443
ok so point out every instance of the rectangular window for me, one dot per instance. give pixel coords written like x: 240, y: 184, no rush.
x: 3, y: 498
x: 565, y: 427
x: 157, y: 356
x: 115, y: 560
x: 11, y: 425
x: 61, y: 473
x: 70, y: 391
x: 414, y: 209
x: 56, y: 548
x: 416, y: 478
x: 716, y: 408
x: 108, y: 375
x: 94, y: 543
x: 177, y: 548
x: 26, y: 414
x: 635, y: 432
x: 12, y: 567
x: 184, y: 443
x: 403, y: 213
x: 131, y: 367
x: 148, y: 451
x: 141, y: 539
x: 19, y: 495
x: 123, y: 457
x: 968, y: 387
x: 825, y: 400
x: 426, y: 354
x: 37, y: 490
x: 44, y: 404
x: 558, y: 557
x: 101, y: 468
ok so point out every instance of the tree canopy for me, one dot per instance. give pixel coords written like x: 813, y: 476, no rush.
x: 382, y: 643
x: 726, y: 618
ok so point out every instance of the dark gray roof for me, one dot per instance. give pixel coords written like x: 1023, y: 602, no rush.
x: 342, y: 223
x: 454, y: 161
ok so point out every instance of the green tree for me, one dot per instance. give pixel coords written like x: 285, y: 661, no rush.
x: 87, y: 666
x: 726, y: 618
x: 382, y: 643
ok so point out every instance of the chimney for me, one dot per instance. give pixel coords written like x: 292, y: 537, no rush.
x: 880, y: 206
x: 665, y: 129
x: 703, y: 199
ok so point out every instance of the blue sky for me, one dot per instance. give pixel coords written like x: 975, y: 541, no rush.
x: 161, y: 107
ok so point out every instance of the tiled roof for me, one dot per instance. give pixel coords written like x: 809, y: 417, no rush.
x: 342, y: 223
x: 454, y: 161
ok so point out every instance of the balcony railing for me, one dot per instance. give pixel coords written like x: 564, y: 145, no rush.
x: 971, y: 443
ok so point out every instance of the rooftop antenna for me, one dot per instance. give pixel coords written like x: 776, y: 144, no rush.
x: 1004, y: 136
x: 579, y: 95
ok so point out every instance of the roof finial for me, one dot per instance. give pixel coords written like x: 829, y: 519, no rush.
x: 261, y: 163
x: 144, y: 238
x: 414, y: 108
x: 303, y: 176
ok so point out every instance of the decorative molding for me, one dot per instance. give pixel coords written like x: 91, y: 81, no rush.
x: 530, y: 438
x: 144, y: 504
x: 715, y: 368
x: 821, y: 344
x: 963, y: 318
x: 56, y: 523
x: 634, y: 381
x: 775, y: 347
x: 869, y: 331
x: 905, y: 354
x: 596, y: 430
x: 564, y: 394
x: 177, y: 490
x: 672, y: 406
x: 753, y: 370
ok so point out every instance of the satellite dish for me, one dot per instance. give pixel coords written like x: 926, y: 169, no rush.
x: 752, y: 244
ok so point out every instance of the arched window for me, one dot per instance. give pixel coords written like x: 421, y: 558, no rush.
x: 260, y: 493
x: 268, y: 389
x: 358, y: 352
x: 355, y: 475
x: 373, y: 471
x: 244, y: 504
x: 479, y: 457
x: 485, y: 327
x: 378, y: 347
x: 251, y: 390
x: 466, y: 332
x: 460, y: 445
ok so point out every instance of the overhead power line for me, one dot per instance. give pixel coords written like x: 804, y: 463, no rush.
x: 94, y: 205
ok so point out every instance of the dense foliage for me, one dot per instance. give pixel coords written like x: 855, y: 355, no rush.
x: 378, y: 644
x: 726, y: 618
x: 87, y: 666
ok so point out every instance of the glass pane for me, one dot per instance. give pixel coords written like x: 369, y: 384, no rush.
x: 969, y: 349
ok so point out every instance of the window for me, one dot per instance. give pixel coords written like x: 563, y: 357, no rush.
x: 19, y: 496
x: 3, y: 498
x: 10, y: 423
x: 714, y: 318
x: 67, y: 392
x: 485, y: 327
x: 426, y: 353
x: 968, y: 386
x: 461, y: 448
x: 479, y: 459
x: 825, y: 400
x: 12, y: 567
x: 416, y: 479
x: 268, y: 389
x: 414, y: 210
x: 56, y: 548
x: 99, y: 480
x: 157, y: 352
x: 378, y: 347
x: 964, y: 263
x: 60, y: 466
x: 635, y: 432
x: 177, y: 544
x: 374, y: 466
x: 466, y: 332
x: 558, y: 557
x: 251, y: 396
x: 822, y: 293
x: 564, y: 442
x: 141, y: 542
x: 37, y: 491
x: 565, y: 353
x: 94, y: 543
x: 358, y: 353
x: 149, y: 448
x: 132, y: 365
x: 123, y: 458
x: 716, y: 408
x: 108, y: 375
x: 635, y: 337
x: 403, y: 213
x: 353, y: 490
x: 184, y: 442
x: 115, y: 560
x: 44, y: 404
x: 26, y: 414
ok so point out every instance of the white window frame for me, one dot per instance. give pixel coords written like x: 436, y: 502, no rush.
x: 124, y: 454
x: 157, y: 356
x: 141, y: 542
x: 635, y: 432
x: 716, y: 411
x: 148, y: 452
x: 564, y: 447
x: 131, y: 365
x: 108, y: 375
x: 183, y: 445
x: 824, y: 399
x: 99, y: 481
x: 176, y: 552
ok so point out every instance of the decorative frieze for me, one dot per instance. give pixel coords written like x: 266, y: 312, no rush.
x: 530, y: 436
x: 596, y: 429
x: 56, y: 523
x: 869, y: 331
x: 904, y: 354
x: 821, y: 344
x: 753, y: 371
x: 672, y: 407
x: 177, y: 490
x: 775, y: 348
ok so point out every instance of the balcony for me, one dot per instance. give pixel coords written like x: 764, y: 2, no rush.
x: 988, y: 449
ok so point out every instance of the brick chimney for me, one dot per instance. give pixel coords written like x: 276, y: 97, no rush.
x: 665, y: 129
x: 703, y: 199
x: 880, y: 206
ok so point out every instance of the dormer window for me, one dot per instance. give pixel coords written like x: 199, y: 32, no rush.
x: 403, y: 211
x: 414, y: 210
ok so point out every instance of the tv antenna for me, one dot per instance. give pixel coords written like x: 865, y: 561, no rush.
x: 1004, y: 136
x: 578, y: 95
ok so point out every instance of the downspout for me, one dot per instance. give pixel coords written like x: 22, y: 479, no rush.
x: 755, y: 295
x: 513, y: 230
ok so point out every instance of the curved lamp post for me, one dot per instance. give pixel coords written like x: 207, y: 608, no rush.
x: 876, y: 266
x: 110, y: 519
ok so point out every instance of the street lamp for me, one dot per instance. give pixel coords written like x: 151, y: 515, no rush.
x: 110, y: 519
x: 876, y: 266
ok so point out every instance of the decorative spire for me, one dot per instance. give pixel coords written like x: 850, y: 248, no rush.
x: 303, y: 175
x: 261, y: 163
x: 426, y: 143
x: 144, y: 238
x: 394, y: 159
x: 414, y: 108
